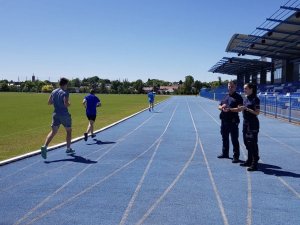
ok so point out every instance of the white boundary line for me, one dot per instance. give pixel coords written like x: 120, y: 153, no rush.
x: 37, y: 152
x: 139, y: 186
x: 249, y: 182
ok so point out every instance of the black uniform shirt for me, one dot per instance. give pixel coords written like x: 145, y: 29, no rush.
x: 231, y: 101
x: 251, y: 102
x: 250, y: 120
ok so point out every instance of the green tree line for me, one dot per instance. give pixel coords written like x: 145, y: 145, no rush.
x: 105, y: 86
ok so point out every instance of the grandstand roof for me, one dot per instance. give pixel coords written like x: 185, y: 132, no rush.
x: 277, y: 38
x: 235, y: 66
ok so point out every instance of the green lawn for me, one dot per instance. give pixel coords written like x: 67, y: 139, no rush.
x: 25, y: 118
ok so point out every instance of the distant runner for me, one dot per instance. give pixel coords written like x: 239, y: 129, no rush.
x: 91, y: 102
x: 151, y: 96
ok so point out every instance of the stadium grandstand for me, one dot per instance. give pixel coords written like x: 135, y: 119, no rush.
x: 276, y: 70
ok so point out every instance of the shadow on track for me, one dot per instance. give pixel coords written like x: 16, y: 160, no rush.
x: 76, y: 158
x: 276, y: 171
x: 99, y: 142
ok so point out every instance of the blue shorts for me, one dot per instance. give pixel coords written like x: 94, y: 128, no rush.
x: 64, y: 119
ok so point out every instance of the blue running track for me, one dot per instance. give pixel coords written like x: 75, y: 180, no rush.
x: 157, y: 168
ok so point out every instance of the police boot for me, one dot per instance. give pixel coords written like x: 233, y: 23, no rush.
x: 253, y: 166
x: 246, y: 163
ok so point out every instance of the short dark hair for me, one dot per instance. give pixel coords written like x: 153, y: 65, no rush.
x: 253, y: 87
x: 63, y: 81
x: 232, y: 82
x: 92, y: 91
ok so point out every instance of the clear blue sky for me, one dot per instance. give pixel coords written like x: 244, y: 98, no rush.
x: 122, y: 39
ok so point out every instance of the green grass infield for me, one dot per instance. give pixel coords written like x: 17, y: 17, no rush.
x: 25, y: 118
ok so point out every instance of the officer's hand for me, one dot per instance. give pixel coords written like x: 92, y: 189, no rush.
x: 226, y: 109
x: 242, y: 108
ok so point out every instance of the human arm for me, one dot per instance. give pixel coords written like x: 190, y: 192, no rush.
x: 252, y: 107
x: 84, y: 103
x: 223, y: 108
x: 237, y: 109
x: 98, y: 102
x: 50, y: 100
x: 255, y: 112
x: 66, y: 101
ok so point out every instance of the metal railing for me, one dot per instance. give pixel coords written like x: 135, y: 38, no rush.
x: 279, y: 106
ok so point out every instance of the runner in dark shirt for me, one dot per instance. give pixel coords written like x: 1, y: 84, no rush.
x: 91, y: 102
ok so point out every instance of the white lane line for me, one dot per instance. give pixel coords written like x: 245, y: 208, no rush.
x: 41, y: 215
x: 249, y: 199
x: 139, y: 186
x: 24, y: 181
x: 281, y: 143
x: 249, y: 183
x: 289, y: 187
x: 170, y: 187
x: 21, y: 169
x: 212, y: 180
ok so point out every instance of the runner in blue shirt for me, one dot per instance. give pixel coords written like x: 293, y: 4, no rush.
x: 59, y: 98
x: 91, y: 102
x: 151, y: 96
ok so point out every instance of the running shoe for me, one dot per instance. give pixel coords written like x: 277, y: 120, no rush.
x: 85, y: 136
x: 70, y: 151
x: 44, y: 152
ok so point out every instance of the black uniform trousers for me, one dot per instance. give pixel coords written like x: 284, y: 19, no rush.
x: 232, y: 129
x: 250, y: 141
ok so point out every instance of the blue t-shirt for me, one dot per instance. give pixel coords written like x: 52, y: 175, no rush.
x: 58, y: 96
x: 151, y: 96
x: 91, y: 104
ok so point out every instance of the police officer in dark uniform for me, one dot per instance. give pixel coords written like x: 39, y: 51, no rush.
x: 230, y: 122
x: 250, y: 110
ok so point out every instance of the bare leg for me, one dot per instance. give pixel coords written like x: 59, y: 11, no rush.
x: 69, y: 136
x: 51, y: 135
x: 90, y: 128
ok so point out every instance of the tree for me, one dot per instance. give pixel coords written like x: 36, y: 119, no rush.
x: 27, y: 86
x: 188, y: 84
x: 39, y: 85
x: 138, y: 86
x: 126, y: 85
x: 4, y: 86
x: 115, y: 84
x: 197, y: 86
x: 103, y: 89
x: 75, y: 82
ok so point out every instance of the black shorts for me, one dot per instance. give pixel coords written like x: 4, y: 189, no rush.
x: 91, y: 117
